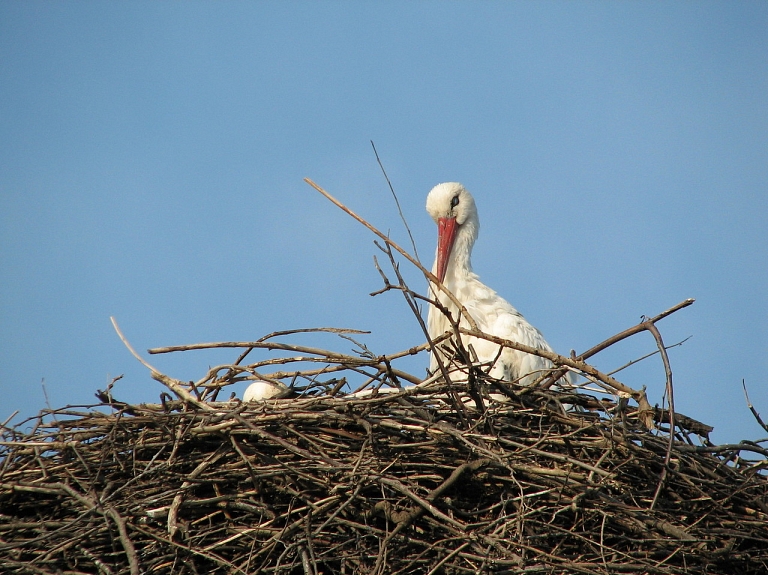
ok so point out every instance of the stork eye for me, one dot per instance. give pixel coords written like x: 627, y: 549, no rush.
x: 455, y: 201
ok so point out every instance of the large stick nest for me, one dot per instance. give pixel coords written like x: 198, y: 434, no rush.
x: 390, y: 483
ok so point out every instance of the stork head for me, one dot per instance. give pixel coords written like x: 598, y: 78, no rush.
x: 453, y: 208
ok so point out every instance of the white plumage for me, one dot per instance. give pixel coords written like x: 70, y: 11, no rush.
x: 453, y: 209
x: 260, y: 390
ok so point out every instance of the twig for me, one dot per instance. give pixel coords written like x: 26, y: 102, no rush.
x: 642, y: 326
x: 335, y: 330
x: 558, y: 360
x: 172, y: 522
x: 426, y: 504
x: 634, y: 329
x: 650, y: 326
x: 172, y: 384
x: 434, y: 282
x: 9, y: 418
x: 397, y: 202
x: 751, y: 407
x: 646, y: 356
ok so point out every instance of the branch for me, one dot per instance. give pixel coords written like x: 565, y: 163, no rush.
x: 650, y: 326
x: 642, y: 326
x: 397, y: 202
x: 335, y: 330
x: 173, y: 384
x: 647, y: 355
x: 633, y: 330
x: 751, y: 407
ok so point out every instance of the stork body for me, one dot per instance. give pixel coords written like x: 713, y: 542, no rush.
x: 453, y: 209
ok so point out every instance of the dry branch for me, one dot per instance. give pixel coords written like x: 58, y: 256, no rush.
x: 388, y: 483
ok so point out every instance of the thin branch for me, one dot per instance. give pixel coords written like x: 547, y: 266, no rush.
x: 650, y: 326
x: 642, y: 326
x: 555, y: 358
x: 646, y: 356
x: 335, y: 330
x: 397, y: 202
x: 410, y: 298
x: 633, y: 330
x: 173, y: 384
x: 435, y: 284
x: 751, y: 407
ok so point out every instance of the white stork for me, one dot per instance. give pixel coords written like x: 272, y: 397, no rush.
x: 453, y: 209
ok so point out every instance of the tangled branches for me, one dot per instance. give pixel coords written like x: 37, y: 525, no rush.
x: 385, y: 483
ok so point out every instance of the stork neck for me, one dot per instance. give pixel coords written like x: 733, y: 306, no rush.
x: 460, y: 265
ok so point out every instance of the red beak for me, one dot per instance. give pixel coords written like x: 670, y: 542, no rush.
x: 446, y: 234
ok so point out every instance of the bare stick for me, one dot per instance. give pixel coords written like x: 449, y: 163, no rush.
x: 173, y: 384
x: 646, y: 356
x: 650, y: 326
x: 634, y: 329
x: 426, y: 504
x: 9, y: 418
x: 394, y: 195
x: 125, y: 540
x: 434, y: 282
x: 556, y: 358
x: 335, y: 330
x: 349, y: 361
x: 254, y: 344
x: 751, y: 407
x: 172, y: 520
x: 642, y: 326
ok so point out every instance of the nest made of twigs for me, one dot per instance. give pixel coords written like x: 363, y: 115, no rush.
x: 390, y: 483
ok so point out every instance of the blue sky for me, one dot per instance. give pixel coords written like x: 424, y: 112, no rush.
x: 153, y: 153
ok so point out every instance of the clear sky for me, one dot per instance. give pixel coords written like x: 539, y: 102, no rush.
x: 152, y: 156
